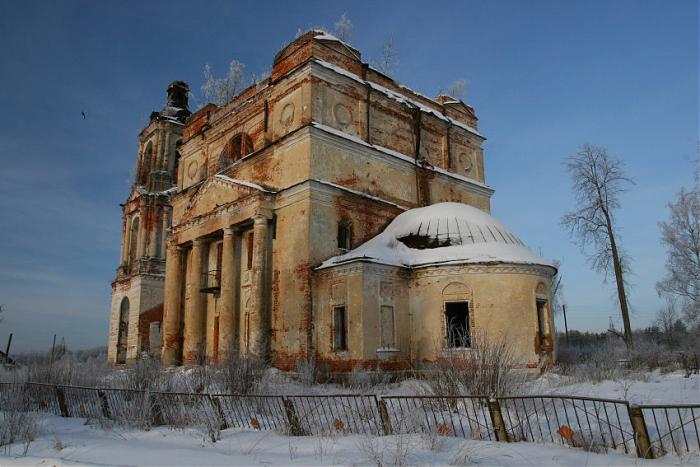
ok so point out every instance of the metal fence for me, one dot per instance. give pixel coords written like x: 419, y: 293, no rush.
x: 672, y: 428
x: 594, y: 424
x: 575, y: 421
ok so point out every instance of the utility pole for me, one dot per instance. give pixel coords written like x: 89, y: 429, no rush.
x: 53, y: 349
x: 566, y: 327
x: 9, y: 343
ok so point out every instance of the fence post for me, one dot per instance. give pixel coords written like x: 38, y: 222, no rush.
x: 220, y: 413
x: 499, y: 426
x: 295, y: 428
x: 641, y: 435
x: 104, y: 404
x: 156, y: 415
x: 61, y: 398
x: 384, y: 415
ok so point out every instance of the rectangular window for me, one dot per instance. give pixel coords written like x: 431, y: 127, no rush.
x: 249, y: 247
x: 541, y: 320
x: 344, y: 236
x: 340, y: 330
x: 386, y: 322
x: 457, y: 324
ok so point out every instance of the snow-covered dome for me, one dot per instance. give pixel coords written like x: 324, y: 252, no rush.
x: 443, y: 233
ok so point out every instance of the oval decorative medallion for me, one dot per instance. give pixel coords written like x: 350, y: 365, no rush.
x: 343, y: 115
x: 192, y: 169
x: 467, y: 161
x: 287, y: 115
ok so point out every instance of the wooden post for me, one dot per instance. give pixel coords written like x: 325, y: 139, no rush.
x: 641, y: 435
x: 61, y: 398
x: 104, y: 404
x: 499, y: 426
x: 295, y: 428
x: 384, y: 415
x: 156, y: 414
x: 219, y: 412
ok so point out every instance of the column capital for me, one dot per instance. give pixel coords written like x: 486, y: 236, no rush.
x: 230, y: 230
x: 198, y: 242
x: 260, y: 219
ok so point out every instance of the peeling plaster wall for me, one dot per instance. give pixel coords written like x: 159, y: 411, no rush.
x: 498, y: 296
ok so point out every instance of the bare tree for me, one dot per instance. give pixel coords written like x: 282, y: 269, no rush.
x: 457, y: 89
x: 343, y: 28
x: 666, y: 316
x: 598, y: 180
x: 221, y: 90
x: 389, y: 58
x: 681, y: 235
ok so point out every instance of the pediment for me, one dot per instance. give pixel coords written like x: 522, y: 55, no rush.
x: 216, y: 192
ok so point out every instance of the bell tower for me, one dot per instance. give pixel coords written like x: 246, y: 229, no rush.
x: 137, y: 291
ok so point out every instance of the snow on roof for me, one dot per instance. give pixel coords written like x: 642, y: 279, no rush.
x: 400, y: 98
x: 443, y: 233
x: 243, y: 182
x: 359, y: 193
x: 397, y: 154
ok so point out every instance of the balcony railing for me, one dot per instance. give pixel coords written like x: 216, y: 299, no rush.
x: 211, y: 281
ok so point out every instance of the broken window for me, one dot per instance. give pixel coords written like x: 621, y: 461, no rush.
x: 541, y: 320
x: 457, y: 324
x: 340, y: 330
x: 344, y: 236
x: 386, y: 324
x: 240, y: 145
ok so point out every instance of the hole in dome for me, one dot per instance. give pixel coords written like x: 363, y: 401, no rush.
x: 424, y: 242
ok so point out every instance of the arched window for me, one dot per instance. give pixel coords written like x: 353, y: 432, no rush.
x: 174, y: 162
x: 123, y: 330
x: 176, y: 167
x: 133, y: 240
x: 240, y: 145
x: 146, y: 163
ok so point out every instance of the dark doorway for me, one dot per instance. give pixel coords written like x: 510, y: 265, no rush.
x: 457, y: 324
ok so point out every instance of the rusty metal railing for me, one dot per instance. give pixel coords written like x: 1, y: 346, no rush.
x: 463, y: 416
x: 592, y: 423
x: 569, y: 420
x: 672, y: 428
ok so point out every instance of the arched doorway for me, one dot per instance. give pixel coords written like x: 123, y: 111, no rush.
x: 123, y: 330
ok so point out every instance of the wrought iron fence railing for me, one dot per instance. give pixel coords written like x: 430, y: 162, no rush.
x: 592, y: 423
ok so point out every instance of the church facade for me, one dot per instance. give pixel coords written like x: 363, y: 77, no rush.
x: 328, y: 214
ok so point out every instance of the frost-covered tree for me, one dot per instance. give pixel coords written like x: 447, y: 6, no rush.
x: 389, y: 58
x: 666, y: 316
x: 681, y: 235
x: 221, y: 90
x: 343, y: 28
x: 598, y: 180
x: 457, y: 89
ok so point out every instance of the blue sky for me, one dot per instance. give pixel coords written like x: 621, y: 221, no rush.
x: 544, y: 77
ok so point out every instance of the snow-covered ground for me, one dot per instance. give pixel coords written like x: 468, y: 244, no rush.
x: 647, y: 388
x: 66, y: 441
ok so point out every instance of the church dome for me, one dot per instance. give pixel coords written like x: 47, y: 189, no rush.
x: 443, y: 233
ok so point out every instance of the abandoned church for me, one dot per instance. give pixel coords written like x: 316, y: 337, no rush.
x: 327, y: 213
